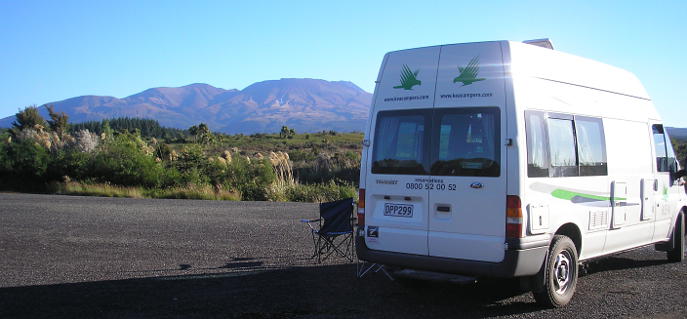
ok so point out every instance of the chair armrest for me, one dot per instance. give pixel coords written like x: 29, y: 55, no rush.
x: 310, y: 220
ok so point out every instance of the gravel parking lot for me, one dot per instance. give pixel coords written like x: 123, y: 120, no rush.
x: 69, y: 257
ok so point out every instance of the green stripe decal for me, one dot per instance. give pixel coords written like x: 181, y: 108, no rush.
x: 568, y: 195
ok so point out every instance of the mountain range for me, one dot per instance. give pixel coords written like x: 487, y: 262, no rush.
x: 679, y: 133
x: 306, y: 105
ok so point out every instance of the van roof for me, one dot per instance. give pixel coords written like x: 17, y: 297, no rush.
x: 529, y: 60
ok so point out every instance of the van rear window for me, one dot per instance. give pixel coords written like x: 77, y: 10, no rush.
x: 457, y: 142
x: 467, y: 141
x: 400, y: 142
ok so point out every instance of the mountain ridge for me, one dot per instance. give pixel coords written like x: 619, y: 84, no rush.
x: 307, y: 105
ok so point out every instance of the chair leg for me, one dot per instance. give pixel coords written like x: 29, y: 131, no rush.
x: 320, y: 246
x: 314, y: 243
x: 337, y: 247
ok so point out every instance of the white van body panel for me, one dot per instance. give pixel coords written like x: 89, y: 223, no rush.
x: 630, y: 204
x: 422, y: 61
x: 475, y: 219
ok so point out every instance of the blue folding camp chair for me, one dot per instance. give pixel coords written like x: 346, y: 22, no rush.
x: 332, y: 233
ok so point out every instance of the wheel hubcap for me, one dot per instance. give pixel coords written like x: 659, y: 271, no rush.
x: 562, y: 272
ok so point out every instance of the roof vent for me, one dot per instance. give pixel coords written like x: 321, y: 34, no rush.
x: 544, y: 43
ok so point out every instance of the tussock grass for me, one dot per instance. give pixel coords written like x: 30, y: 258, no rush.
x: 103, y: 190
x: 107, y: 190
x: 193, y: 192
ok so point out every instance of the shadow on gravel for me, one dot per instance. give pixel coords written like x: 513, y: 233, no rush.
x: 324, y: 291
x: 620, y: 263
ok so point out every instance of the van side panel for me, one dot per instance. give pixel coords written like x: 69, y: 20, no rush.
x: 604, y: 227
x: 550, y: 202
x: 630, y: 163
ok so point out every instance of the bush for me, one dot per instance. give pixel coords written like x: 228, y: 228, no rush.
x: 680, y: 151
x: 71, y: 163
x: 122, y: 161
x: 192, y: 166
x: 24, y: 160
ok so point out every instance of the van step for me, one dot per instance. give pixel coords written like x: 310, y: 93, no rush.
x: 434, y: 276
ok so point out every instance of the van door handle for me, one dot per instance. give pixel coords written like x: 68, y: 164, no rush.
x: 445, y: 209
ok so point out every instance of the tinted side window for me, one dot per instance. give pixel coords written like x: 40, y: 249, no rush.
x: 591, y: 146
x: 399, y: 142
x: 467, y: 142
x: 662, y: 161
x: 672, y: 159
x: 537, y: 145
x: 562, y: 147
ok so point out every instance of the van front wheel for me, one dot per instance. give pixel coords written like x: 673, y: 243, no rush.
x: 555, y: 284
x: 677, y: 254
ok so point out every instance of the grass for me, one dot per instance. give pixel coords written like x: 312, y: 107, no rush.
x: 295, y: 192
x: 108, y: 190
x: 314, y: 193
x: 264, y: 143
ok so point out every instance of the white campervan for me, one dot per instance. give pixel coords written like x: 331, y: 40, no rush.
x: 506, y: 159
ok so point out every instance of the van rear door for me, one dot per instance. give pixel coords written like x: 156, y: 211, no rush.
x: 398, y: 161
x: 468, y: 191
x: 396, y: 199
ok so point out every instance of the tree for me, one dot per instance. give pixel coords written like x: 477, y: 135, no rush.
x: 287, y: 132
x: 29, y: 117
x: 59, y: 122
x: 201, y: 133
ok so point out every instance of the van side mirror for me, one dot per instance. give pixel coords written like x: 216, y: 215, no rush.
x: 674, y: 173
x: 673, y: 169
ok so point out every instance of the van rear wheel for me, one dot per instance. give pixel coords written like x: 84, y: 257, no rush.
x: 677, y: 253
x: 555, y: 284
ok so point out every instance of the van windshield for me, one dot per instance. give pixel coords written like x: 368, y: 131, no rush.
x: 457, y: 142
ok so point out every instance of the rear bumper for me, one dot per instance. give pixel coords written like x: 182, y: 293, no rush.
x: 522, y: 258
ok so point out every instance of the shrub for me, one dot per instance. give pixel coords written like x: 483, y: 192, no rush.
x: 123, y: 161
x: 70, y: 163
x: 85, y: 141
x: 24, y: 160
x: 680, y: 151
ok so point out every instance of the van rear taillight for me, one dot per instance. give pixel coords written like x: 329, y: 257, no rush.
x: 513, y: 217
x: 361, y: 207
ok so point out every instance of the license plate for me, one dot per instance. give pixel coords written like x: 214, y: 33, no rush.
x: 398, y: 210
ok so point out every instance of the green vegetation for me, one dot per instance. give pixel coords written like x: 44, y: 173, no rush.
x: 139, y: 158
x: 146, y: 127
x: 680, y: 146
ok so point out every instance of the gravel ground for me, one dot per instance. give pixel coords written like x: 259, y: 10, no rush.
x: 86, y: 257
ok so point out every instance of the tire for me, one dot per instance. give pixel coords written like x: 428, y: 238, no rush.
x: 555, y: 284
x: 677, y: 253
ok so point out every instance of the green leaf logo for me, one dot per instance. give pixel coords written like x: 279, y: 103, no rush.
x: 468, y: 74
x: 408, y: 79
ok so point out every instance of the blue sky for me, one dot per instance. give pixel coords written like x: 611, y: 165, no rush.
x: 53, y: 50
